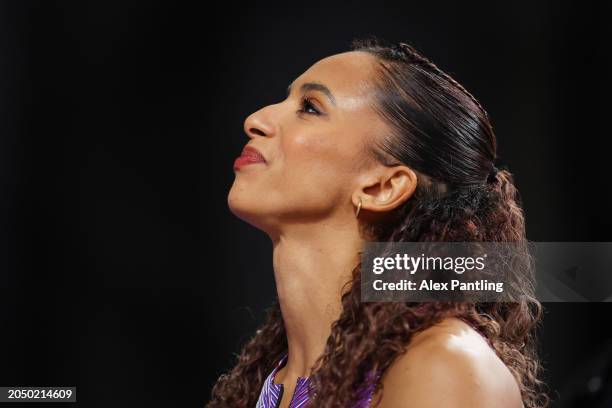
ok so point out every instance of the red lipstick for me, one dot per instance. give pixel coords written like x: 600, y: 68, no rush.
x: 249, y: 155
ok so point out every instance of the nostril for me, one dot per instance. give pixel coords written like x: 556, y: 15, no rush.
x: 257, y: 132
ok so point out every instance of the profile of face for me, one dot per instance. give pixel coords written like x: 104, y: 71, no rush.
x: 315, y: 145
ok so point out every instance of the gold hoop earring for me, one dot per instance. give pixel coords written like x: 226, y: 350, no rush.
x: 358, y: 209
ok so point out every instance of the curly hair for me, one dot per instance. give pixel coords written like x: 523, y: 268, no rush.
x: 441, y: 131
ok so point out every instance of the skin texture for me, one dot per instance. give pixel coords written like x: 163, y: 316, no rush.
x: 449, y: 365
x: 305, y: 196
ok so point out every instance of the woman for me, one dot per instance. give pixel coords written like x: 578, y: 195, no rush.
x: 376, y: 144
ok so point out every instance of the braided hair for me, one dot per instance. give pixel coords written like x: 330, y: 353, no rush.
x: 407, y: 53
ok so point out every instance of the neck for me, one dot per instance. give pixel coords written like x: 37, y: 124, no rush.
x: 311, y: 265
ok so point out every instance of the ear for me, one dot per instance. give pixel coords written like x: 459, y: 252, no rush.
x: 385, y: 189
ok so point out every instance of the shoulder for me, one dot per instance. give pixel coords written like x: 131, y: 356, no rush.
x: 449, y: 365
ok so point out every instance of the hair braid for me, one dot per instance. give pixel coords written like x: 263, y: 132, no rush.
x: 409, y: 54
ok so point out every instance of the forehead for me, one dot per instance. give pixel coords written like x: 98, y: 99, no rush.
x: 347, y: 74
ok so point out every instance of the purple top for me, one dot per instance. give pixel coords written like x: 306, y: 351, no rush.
x: 271, y: 393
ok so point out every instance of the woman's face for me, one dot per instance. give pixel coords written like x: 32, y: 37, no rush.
x: 314, y: 144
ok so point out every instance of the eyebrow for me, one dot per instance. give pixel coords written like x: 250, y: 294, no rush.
x: 315, y: 86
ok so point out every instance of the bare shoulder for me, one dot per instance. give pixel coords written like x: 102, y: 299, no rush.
x: 449, y: 365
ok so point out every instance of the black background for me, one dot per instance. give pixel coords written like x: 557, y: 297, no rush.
x: 123, y: 271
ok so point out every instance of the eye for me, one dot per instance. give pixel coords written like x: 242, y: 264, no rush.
x: 307, y: 107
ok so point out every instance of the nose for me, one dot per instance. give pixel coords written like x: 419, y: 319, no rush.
x: 259, y: 124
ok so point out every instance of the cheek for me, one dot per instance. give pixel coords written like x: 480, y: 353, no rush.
x: 321, y: 151
x: 320, y: 159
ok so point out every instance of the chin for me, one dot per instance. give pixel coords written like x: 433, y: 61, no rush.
x: 248, y: 209
x: 237, y: 203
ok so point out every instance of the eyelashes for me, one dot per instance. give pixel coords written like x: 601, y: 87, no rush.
x: 307, y: 107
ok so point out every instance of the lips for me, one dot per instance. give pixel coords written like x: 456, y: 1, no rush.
x: 249, y: 155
